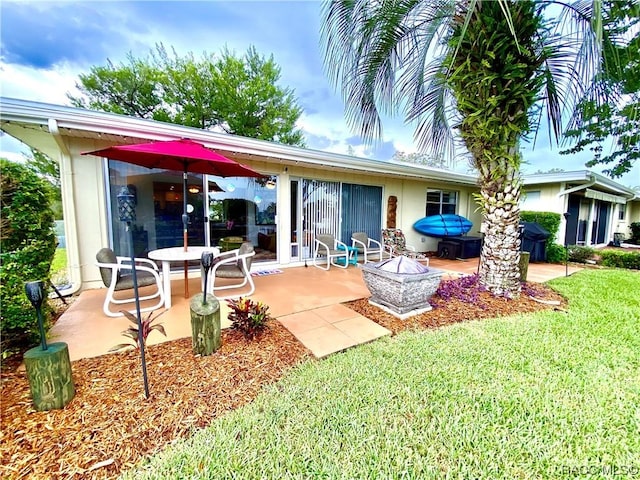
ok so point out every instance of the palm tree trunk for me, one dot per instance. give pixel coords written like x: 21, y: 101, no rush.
x: 500, y: 255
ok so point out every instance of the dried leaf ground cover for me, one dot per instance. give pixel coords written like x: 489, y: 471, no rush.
x: 109, y: 425
x: 469, y: 304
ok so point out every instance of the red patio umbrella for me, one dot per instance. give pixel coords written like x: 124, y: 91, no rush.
x: 183, y: 155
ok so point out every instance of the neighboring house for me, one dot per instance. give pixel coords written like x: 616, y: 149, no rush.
x: 597, y: 207
x: 308, y: 192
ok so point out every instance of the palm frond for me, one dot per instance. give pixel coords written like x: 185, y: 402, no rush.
x: 371, y: 47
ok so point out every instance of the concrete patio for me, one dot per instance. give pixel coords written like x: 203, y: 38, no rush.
x: 306, y: 300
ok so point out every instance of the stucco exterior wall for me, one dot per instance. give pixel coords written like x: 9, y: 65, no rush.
x: 549, y: 200
x: 88, y: 200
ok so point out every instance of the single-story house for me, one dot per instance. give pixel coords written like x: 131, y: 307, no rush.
x: 307, y: 192
x: 598, y: 208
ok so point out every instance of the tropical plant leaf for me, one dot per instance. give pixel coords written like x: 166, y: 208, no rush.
x: 120, y: 346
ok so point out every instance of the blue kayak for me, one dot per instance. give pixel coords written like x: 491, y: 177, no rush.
x: 445, y: 225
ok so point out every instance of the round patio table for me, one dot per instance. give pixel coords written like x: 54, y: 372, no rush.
x: 177, y: 254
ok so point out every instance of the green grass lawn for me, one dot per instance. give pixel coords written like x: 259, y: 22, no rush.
x: 59, y: 267
x: 546, y: 395
x: 59, y: 262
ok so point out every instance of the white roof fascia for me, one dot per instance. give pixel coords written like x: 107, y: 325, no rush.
x: 36, y: 113
x: 578, y: 176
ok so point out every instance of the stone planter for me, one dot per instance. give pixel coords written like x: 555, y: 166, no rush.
x: 401, y: 286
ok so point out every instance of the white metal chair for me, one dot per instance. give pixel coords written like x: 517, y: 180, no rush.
x: 366, y: 246
x: 234, y: 264
x: 117, y: 275
x: 326, y: 247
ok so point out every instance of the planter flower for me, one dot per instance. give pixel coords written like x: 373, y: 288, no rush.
x: 248, y: 316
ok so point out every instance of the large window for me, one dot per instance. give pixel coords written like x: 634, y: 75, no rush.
x: 531, y: 200
x: 622, y: 208
x: 441, y: 201
x: 238, y: 207
x: 243, y: 209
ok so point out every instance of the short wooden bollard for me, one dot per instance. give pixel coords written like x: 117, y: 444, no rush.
x: 49, y: 375
x: 205, y: 325
x: 524, y: 265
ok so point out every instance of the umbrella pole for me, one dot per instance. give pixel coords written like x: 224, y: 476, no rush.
x: 185, y: 236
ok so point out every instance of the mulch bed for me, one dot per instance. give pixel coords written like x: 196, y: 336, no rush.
x: 450, y: 311
x: 109, y: 426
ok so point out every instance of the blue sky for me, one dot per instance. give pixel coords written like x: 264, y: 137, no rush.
x: 45, y: 45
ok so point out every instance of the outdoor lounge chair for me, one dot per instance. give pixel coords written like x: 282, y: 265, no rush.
x: 116, y: 273
x: 234, y: 264
x: 395, y: 243
x: 366, y: 246
x: 332, y: 250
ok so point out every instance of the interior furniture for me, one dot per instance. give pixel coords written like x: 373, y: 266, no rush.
x: 395, y: 243
x: 177, y: 254
x: 366, y: 246
x: 326, y: 247
x: 230, y: 243
x: 234, y: 264
x: 267, y: 241
x: 117, y: 275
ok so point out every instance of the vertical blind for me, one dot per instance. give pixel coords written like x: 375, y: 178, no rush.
x: 320, y: 210
x: 361, y: 211
x: 331, y: 208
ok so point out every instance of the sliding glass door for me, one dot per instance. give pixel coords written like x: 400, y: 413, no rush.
x: 321, y: 208
x: 361, y: 211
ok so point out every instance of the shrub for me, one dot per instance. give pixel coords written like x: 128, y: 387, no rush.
x: 248, y: 316
x: 132, y: 332
x: 466, y: 289
x: 548, y: 220
x: 551, y: 223
x: 615, y: 258
x: 635, y: 233
x: 580, y: 254
x: 555, y: 253
x: 28, y: 244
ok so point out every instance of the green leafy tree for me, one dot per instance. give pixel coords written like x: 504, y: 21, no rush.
x: 48, y: 169
x: 479, y: 71
x: 619, y: 117
x: 238, y: 95
x: 422, y: 159
x: 134, y: 89
x: 27, y: 247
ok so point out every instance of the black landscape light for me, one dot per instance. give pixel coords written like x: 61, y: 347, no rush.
x: 127, y: 211
x: 35, y: 294
x: 207, y: 262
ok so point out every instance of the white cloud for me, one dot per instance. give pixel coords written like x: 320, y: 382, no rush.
x: 49, y: 86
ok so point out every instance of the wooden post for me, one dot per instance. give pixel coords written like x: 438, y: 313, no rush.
x: 205, y: 324
x: 49, y: 375
x: 524, y: 265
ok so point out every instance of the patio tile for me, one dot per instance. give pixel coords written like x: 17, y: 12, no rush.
x: 325, y: 340
x: 308, y: 302
x: 361, y: 329
x: 335, y: 313
x: 302, y: 322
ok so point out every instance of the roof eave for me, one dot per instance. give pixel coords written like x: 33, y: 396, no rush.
x: 36, y: 113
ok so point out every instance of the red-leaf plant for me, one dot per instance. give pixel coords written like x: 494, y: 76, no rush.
x: 132, y: 332
x: 248, y: 316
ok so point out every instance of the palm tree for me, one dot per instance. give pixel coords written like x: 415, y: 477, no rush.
x: 479, y: 71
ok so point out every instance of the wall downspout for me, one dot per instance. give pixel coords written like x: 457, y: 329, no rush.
x: 68, y: 210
